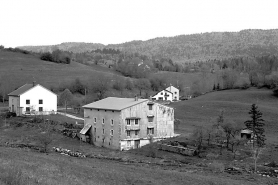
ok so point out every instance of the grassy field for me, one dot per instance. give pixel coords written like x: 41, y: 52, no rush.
x: 34, y: 167
x: 17, y: 69
x: 204, y: 110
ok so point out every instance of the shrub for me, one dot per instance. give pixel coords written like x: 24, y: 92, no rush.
x: 217, y: 166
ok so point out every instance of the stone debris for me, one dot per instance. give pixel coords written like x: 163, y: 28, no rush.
x: 67, y: 152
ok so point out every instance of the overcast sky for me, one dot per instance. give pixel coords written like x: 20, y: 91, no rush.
x: 45, y: 22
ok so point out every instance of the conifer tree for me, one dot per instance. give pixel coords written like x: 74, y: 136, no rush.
x: 256, y: 125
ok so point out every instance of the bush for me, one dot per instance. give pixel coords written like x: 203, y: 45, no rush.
x: 217, y: 166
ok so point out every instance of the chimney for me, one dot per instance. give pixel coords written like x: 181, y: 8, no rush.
x: 34, y: 83
x: 136, y: 98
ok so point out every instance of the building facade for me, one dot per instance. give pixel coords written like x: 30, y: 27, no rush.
x: 125, y: 123
x: 175, y: 91
x: 32, y: 99
x: 163, y: 95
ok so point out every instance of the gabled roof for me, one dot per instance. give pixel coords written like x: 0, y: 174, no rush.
x: 21, y: 90
x: 161, y: 91
x: 25, y: 88
x: 170, y: 87
x: 114, y: 103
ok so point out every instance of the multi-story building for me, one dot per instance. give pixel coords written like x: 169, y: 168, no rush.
x: 125, y: 123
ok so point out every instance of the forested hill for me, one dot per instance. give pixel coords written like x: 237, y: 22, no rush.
x: 76, y: 47
x: 190, y: 48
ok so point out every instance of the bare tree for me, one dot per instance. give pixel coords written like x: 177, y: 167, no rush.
x: 100, y: 86
x: 65, y: 98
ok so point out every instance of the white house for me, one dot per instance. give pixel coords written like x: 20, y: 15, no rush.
x: 169, y: 94
x: 175, y: 91
x: 32, y: 99
x: 163, y: 95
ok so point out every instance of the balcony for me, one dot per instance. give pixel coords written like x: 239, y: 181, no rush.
x: 132, y: 127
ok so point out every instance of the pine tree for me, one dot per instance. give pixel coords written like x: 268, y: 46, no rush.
x: 256, y: 125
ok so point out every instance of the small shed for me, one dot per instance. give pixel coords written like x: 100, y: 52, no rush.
x: 84, y: 134
x: 246, y: 133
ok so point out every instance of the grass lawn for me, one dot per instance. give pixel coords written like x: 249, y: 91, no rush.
x: 17, y: 69
x: 204, y: 110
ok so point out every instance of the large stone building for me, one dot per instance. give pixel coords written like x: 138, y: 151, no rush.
x: 125, y: 123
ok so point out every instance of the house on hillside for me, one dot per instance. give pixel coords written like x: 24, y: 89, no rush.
x: 175, y: 91
x: 31, y: 99
x: 169, y: 94
x: 163, y: 95
x: 125, y: 123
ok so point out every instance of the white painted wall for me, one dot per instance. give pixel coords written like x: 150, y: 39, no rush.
x: 161, y: 96
x: 175, y: 91
x: 39, y: 93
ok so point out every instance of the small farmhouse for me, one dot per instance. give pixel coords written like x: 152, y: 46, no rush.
x: 125, y: 123
x: 169, y: 94
x: 163, y: 95
x: 32, y: 99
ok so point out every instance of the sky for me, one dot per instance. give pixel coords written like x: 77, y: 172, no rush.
x: 49, y: 22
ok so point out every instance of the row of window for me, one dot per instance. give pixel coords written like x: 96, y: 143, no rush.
x: 103, y: 121
x: 28, y: 109
x: 28, y: 102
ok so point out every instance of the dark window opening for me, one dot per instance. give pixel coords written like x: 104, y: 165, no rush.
x: 27, y: 102
x: 40, y: 109
x: 40, y: 102
x: 136, y: 132
x: 128, y: 132
x: 128, y: 121
x: 150, y: 131
x: 27, y: 109
x: 150, y: 107
x: 136, y: 122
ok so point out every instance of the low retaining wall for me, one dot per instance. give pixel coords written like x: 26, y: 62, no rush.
x: 178, y: 149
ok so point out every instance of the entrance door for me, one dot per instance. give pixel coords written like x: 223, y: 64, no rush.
x: 12, y: 108
x: 137, y: 143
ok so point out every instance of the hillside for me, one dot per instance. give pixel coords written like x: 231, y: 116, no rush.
x: 17, y: 69
x: 190, y: 48
x: 203, y: 110
x: 76, y: 47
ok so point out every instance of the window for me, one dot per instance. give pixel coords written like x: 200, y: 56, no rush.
x: 112, y: 122
x: 128, y: 132
x: 175, y: 92
x: 150, y: 131
x: 150, y: 107
x: 112, y: 132
x: 103, y: 131
x: 40, y: 109
x: 136, y: 122
x: 128, y: 143
x: 28, y: 102
x: 95, y: 120
x: 161, y: 93
x: 95, y: 129
x: 128, y: 121
x: 40, y: 101
x: 103, y: 121
x: 160, y: 98
x: 150, y: 119
x: 136, y: 132
x: 27, y: 109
